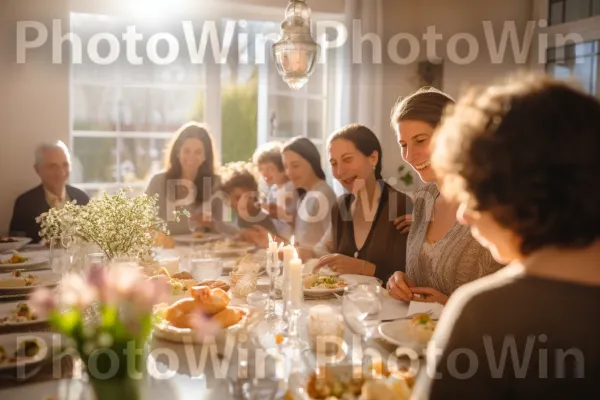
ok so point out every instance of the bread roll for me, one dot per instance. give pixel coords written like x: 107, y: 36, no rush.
x: 210, y: 301
x: 213, y: 284
x: 228, y: 317
x: 182, y: 275
x: 178, y: 314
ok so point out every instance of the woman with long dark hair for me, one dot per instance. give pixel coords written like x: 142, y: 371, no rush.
x: 189, y: 177
x: 363, y: 238
x: 302, y: 163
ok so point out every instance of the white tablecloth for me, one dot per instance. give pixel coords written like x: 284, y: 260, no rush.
x: 184, y: 383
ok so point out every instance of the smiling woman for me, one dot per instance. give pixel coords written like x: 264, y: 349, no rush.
x: 442, y: 255
x: 363, y: 238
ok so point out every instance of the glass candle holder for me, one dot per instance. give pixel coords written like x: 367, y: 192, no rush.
x: 242, y: 284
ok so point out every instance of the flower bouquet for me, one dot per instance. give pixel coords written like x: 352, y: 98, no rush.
x: 120, y: 226
x: 108, y: 315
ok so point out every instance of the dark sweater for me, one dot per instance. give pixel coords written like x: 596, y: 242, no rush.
x: 31, y: 205
x: 385, y: 246
x: 556, y: 323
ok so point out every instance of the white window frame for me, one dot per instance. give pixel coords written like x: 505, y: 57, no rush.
x: 334, y: 113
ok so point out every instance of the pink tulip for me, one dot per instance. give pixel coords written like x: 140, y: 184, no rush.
x: 42, y: 302
x: 75, y: 292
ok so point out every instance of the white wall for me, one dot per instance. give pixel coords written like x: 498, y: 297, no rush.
x: 449, y: 18
x: 34, y: 105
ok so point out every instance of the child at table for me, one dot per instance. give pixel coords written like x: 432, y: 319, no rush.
x: 281, y: 197
x: 239, y: 185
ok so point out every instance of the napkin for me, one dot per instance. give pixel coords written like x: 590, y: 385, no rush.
x: 418, y: 307
x: 392, y: 309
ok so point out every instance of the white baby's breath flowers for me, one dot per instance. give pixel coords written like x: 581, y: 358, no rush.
x: 119, y: 225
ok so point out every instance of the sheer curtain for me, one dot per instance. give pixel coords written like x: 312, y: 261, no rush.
x: 364, y: 81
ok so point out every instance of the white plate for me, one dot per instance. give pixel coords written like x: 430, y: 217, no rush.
x: 320, y: 291
x: 45, y: 279
x: 396, y: 332
x: 20, y: 242
x: 7, y: 309
x: 31, y: 261
x: 163, y: 330
x: 48, y: 342
x: 359, y: 279
x: 191, y: 239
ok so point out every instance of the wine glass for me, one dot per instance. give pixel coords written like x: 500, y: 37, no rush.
x: 361, y: 307
x: 61, y: 254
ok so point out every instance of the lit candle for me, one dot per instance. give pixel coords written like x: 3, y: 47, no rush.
x: 288, y: 255
x: 295, y: 278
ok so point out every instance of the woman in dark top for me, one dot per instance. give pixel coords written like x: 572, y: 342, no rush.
x: 522, y: 159
x: 363, y: 238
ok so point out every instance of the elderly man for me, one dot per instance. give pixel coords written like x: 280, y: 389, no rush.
x: 53, y: 165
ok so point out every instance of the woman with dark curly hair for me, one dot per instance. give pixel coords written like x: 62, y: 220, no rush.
x: 441, y: 254
x: 522, y: 159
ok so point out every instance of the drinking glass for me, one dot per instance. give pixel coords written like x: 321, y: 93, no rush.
x: 192, y: 224
x: 61, y: 253
x: 205, y: 268
x: 361, y: 307
x: 93, y: 260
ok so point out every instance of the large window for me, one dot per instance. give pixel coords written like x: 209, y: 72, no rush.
x: 580, y: 61
x: 562, y: 11
x: 123, y: 116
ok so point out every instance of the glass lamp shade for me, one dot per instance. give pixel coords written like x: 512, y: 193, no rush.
x: 296, y: 53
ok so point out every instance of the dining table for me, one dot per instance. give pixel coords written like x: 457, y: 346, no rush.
x: 256, y: 366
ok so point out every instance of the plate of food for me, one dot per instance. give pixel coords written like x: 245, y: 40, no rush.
x: 197, y: 238
x: 363, y: 382
x: 179, y: 282
x: 18, y: 260
x: 175, y: 322
x: 414, y: 333
x: 19, y: 349
x: 19, y: 281
x: 323, y: 284
x: 246, y: 263
x: 229, y: 248
x: 8, y: 243
x: 18, y: 314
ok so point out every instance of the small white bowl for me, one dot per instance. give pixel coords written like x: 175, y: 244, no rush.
x: 257, y: 299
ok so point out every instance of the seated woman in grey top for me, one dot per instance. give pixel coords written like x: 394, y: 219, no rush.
x: 189, y: 179
x: 530, y: 330
x: 363, y: 238
x: 302, y: 163
x: 442, y: 255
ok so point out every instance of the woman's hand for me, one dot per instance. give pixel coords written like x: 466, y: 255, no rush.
x: 429, y: 295
x: 400, y: 286
x: 403, y: 223
x: 345, y: 265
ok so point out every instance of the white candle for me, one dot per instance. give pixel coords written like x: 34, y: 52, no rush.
x: 295, y: 279
x: 273, y: 245
x: 272, y: 252
x: 288, y: 255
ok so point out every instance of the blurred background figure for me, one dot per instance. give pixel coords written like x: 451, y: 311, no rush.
x: 53, y: 166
